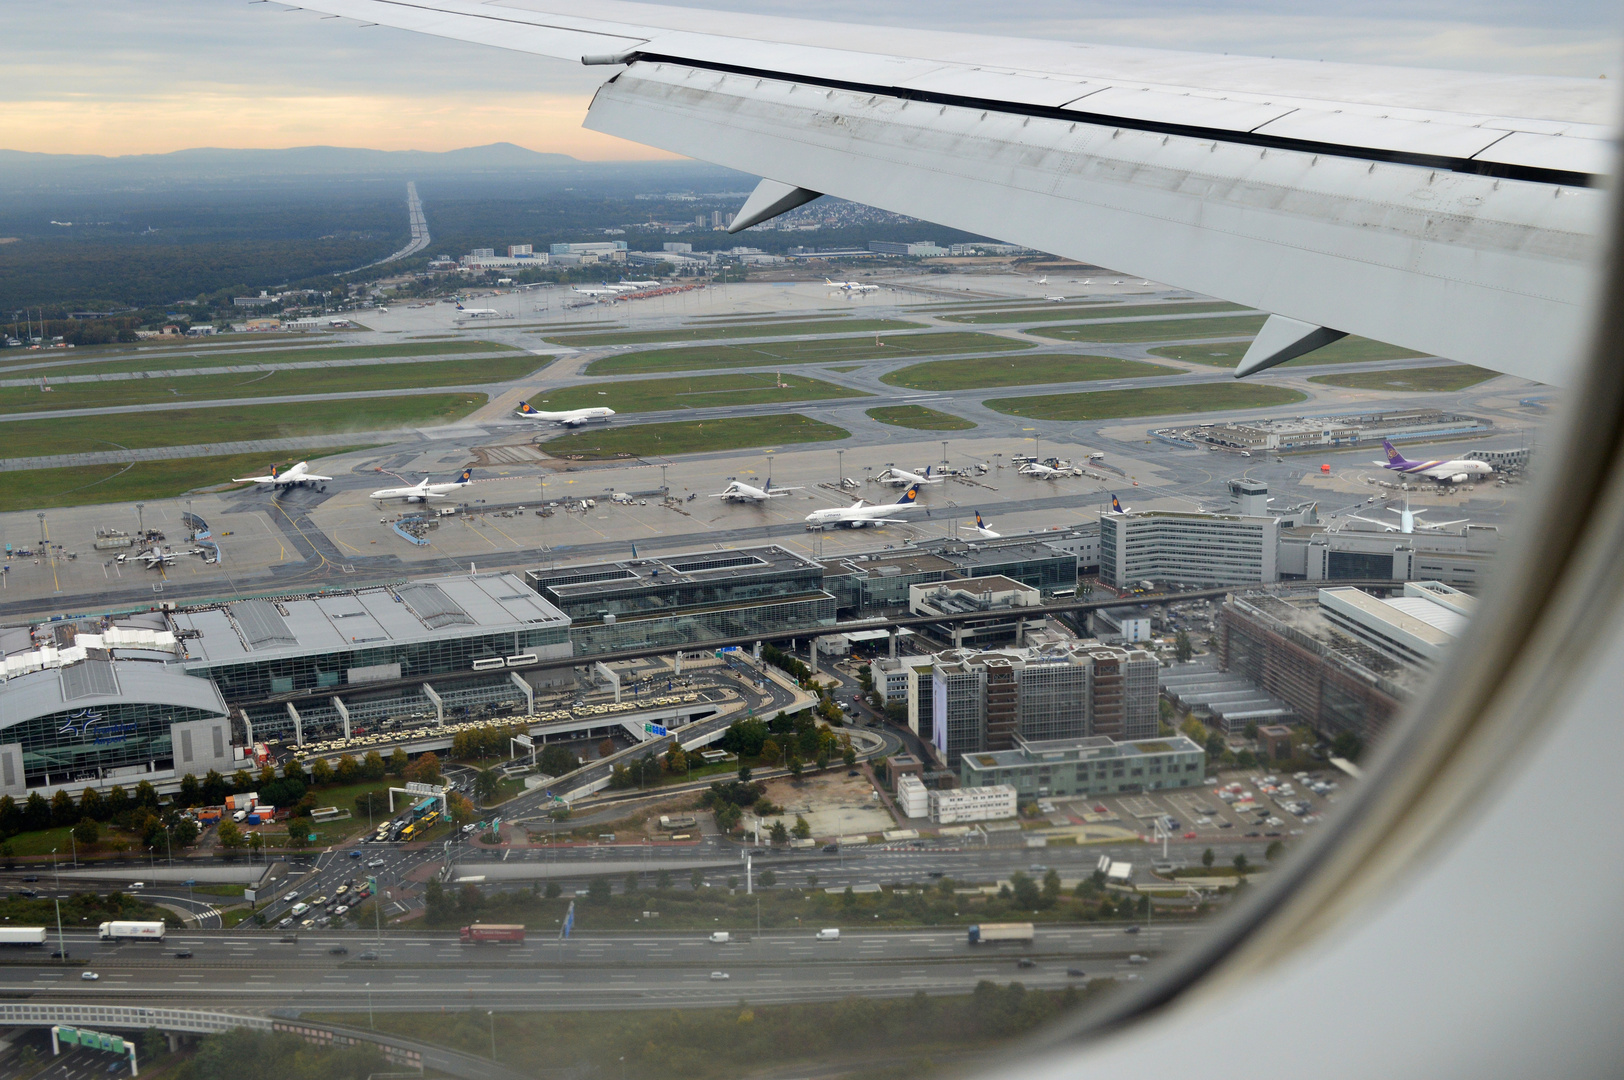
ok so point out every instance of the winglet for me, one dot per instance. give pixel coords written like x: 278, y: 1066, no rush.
x: 1283, y: 339
x: 770, y: 199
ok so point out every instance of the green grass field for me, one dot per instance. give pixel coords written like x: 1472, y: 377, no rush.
x: 1155, y: 330
x: 232, y: 423
x: 85, y: 485
x: 1349, y: 350
x: 694, y: 392
x: 1061, y: 313
x: 275, y: 383
x: 195, y: 358
x: 727, y: 331
x: 919, y: 418
x: 1452, y: 377
x: 1149, y: 401
x: 1019, y: 371
x: 824, y: 351
x: 693, y: 437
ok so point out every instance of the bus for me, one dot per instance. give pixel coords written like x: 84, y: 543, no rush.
x: 424, y: 807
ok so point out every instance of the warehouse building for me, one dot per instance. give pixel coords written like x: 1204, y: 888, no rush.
x: 1086, y: 767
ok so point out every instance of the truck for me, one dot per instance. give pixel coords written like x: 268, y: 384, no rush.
x: 132, y: 931
x: 479, y: 933
x: 720, y: 937
x: 995, y: 933
x: 22, y: 935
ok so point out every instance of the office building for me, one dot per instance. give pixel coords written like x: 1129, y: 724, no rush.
x: 1461, y: 559
x: 1175, y: 548
x: 1415, y: 628
x: 987, y: 700
x: 878, y: 582
x: 687, y: 600
x: 1003, y: 600
x: 1129, y: 625
x: 913, y: 799
x: 919, y: 249
x: 600, y: 251
x: 1087, y: 767
x: 995, y: 803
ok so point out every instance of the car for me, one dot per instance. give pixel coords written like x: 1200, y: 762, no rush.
x: 1100, y: 809
x: 59, y: 954
x: 374, y: 863
x: 341, y: 890
x: 285, y: 922
x: 1271, y: 834
x: 356, y: 854
x: 290, y: 898
x: 1024, y: 962
x: 1226, y: 824
x: 134, y: 885
x: 1137, y: 959
x: 368, y: 955
x: 339, y: 950
x: 89, y: 976
x: 1131, y: 930
x: 935, y: 874
x: 830, y: 849
x: 30, y: 877
x: 289, y: 939
x: 1075, y: 973
x: 30, y: 893
x: 306, y: 924
x: 1252, y: 834
x: 1039, y: 868
x: 1189, y: 836
x: 299, y: 909
x: 318, y: 901
x: 183, y: 954
x: 341, y: 909
x: 115, y: 1067
x: 718, y: 976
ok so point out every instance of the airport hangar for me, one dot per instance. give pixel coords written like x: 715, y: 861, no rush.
x: 155, y: 695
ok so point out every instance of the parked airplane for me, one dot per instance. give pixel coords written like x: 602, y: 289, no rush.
x: 903, y: 478
x: 1457, y: 471
x: 157, y: 556
x: 859, y: 514
x: 1118, y: 508
x: 1408, y: 520
x: 293, y: 477
x: 1041, y: 471
x: 982, y: 530
x: 851, y: 286
x: 739, y: 491
x: 479, y: 312
x: 598, y: 290
x: 424, y: 490
x: 569, y: 418
x: 1055, y: 299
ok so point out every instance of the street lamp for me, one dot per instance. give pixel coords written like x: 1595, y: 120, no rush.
x: 492, y: 1016
x: 371, y: 1020
x: 840, y: 466
x: 54, y: 875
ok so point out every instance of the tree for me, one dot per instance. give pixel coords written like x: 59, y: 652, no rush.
x: 795, y: 768
x: 676, y: 759
x: 1182, y: 647
x: 462, y: 811
x: 768, y: 878
x: 36, y: 812
x: 849, y: 756
x: 823, y: 758
x: 190, y: 793
x: 1347, y: 745
x: 398, y: 762
x: 146, y: 794
x: 780, y: 835
x: 425, y: 770
x: 298, y: 833
x: 372, y: 766
x: 487, y: 785
x: 1207, y: 857
x: 215, y: 788
x: 802, y: 830
x: 230, y: 836
x: 744, y: 774
x: 87, y: 832
x: 606, y: 748
x: 348, y: 769
x: 183, y: 832
x: 321, y: 773
x: 11, y: 818
x: 771, y: 752
x: 632, y: 882
x: 1025, y: 890
x: 242, y: 782
x: 63, y: 812
x: 554, y: 890
x: 1051, y: 888
x: 114, y: 803
x: 697, y: 879
x: 267, y: 775
x: 555, y: 760
x: 1250, y: 730
x: 597, y: 890
x: 663, y: 880
x: 1240, y: 864
x: 1274, y: 851
x: 90, y: 805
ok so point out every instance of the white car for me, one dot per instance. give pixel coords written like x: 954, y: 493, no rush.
x: 299, y: 909
x: 716, y: 976
x: 91, y: 976
x: 290, y: 898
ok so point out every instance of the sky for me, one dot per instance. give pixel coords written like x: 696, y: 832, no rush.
x: 119, y: 77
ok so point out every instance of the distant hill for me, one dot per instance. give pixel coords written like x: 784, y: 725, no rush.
x: 20, y: 169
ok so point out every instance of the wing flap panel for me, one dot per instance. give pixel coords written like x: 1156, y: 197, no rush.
x: 1594, y: 157
x: 1190, y: 110
x: 1433, y: 138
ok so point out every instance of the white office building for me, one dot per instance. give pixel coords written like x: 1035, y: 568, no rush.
x: 993, y: 803
x: 912, y: 797
x: 1188, y: 549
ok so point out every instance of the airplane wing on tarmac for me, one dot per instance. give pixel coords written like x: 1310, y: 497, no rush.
x: 1447, y: 212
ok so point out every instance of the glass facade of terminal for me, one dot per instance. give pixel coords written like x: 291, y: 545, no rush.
x: 254, y: 680
x: 698, y: 627
x: 750, y: 580
x: 84, y: 743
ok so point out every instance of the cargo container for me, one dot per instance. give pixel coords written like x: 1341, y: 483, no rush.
x: 132, y: 931
x: 208, y: 817
x: 244, y: 801
x: 994, y: 933
x: 22, y: 935
x: 503, y: 932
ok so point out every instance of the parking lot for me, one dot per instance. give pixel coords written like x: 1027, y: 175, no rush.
x: 1242, y: 803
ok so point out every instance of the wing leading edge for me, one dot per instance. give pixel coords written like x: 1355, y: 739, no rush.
x: 1450, y: 213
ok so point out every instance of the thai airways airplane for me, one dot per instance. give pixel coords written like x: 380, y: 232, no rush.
x: 423, y: 491
x: 569, y: 418
x: 904, y: 478
x: 739, y: 491
x: 1457, y: 471
x: 479, y: 312
x: 859, y: 515
x: 293, y: 477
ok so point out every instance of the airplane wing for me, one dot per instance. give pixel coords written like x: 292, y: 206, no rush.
x: 254, y: 479
x: 1448, y: 212
x: 1387, y: 525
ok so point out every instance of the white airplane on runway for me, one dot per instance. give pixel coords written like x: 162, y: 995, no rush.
x: 860, y: 515
x: 479, y: 312
x: 293, y: 477
x: 569, y: 418
x: 157, y: 556
x: 1408, y: 520
x: 423, y: 491
x: 851, y: 286
x: 982, y: 530
x: 739, y: 491
x: 904, y: 478
x: 1040, y: 471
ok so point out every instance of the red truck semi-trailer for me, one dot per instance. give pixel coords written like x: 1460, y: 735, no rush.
x: 478, y: 933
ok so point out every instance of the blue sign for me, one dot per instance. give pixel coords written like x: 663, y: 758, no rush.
x: 655, y: 729
x: 569, y: 921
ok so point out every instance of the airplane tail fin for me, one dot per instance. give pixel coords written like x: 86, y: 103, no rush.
x: 910, y: 496
x: 928, y: 468
x: 276, y: 470
x: 1116, y: 506
x: 526, y: 409
x: 467, y: 475
x: 982, y: 525
x: 1392, y: 455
